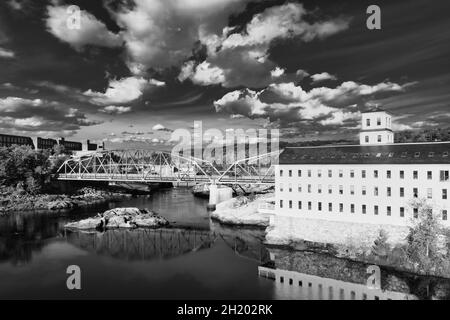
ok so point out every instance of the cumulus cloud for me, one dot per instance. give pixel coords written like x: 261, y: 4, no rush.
x: 39, y: 115
x: 115, y: 109
x: 318, y: 77
x: 287, y: 103
x: 7, y: 54
x: 91, y: 31
x: 202, y: 74
x: 242, y: 56
x: 121, y: 91
x: 162, y: 33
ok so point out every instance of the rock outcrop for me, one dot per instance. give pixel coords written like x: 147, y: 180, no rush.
x: 121, y: 218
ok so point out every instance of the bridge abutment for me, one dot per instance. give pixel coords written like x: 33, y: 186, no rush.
x: 218, y: 195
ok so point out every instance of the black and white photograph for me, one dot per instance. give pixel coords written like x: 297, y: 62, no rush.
x: 218, y: 151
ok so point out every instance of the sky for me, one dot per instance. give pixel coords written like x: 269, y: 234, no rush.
x: 133, y: 71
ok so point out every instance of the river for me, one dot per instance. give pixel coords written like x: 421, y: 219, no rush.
x: 194, y: 259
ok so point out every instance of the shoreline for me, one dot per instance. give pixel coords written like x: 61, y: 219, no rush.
x: 14, y: 203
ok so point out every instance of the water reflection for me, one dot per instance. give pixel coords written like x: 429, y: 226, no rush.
x: 305, y: 275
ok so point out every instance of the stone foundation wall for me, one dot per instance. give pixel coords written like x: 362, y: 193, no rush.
x: 286, y: 230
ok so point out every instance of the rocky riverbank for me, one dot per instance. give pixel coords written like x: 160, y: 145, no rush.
x: 243, y: 211
x: 22, y: 201
x: 121, y: 218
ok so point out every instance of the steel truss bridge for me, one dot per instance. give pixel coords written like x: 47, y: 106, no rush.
x: 162, y: 166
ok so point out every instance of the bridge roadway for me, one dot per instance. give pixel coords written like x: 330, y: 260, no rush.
x: 159, y: 179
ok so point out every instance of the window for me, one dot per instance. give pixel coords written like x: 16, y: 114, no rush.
x: 352, y: 208
x: 341, y: 189
x: 299, y: 205
x: 430, y: 175
x: 379, y: 138
x: 290, y: 204
x: 378, y: 121
x: 402, y: 212
x: 389, y: 191
x: 309, y: 188
x: 290, y: 187
x: 375, y: 191
x: 319, y: 206
x: 402, y: 192
x: 281, y: 187
x: 415, y: 192
x: 363, y: 173
x: 299, y: 173
x: 352, y: 173
x: 341, y: 173
x: 309, y: 173
x: 281, y: 173
x: 389, y: 210
x: 330, y: 189
x: 330, y: 173
x: 415, y: 175
x: 375, y: 210
x: 368, y: 122
x: 402, y: 174
x: 364, y: 191
x: 309, y: 205
x: 341, y: 207
x: 388, y: 174
x: 299, y: 188
x: 319, y: 173
x: 281, y: 203
x: 444, y: 175
x: 290, y: 173
x: 416, y: 213
x: 444, y: 194
x: 319, y: 188
x: 444, y: 214
x: 330, y: 207
x: 430, y: 193
x: 364, y: 209
x: 352, y: 190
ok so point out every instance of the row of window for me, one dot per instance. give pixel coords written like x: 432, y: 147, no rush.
x: 330, y: 290
x: 376, y: 191
x: 388, y: 122
x: 443, y: 174
x: 364, y: 209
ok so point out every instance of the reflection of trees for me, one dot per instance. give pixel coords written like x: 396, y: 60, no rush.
x: 23, y: 234
x: 149, y: 244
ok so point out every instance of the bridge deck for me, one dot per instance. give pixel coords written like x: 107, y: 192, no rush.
x: 159, y: 179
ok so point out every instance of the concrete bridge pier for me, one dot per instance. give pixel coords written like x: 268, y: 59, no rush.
x: 218, y: 195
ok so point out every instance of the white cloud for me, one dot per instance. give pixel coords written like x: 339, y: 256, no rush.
x: 203, y: 74
x: 115, y: 109
x: 91, y: 31
x: 243, y: 56
x: 160, y: 127
x: 277, y: 72
x: 7, y: 54
x: 287, y: 103
x: 119, y: 91
x: 318, y: 77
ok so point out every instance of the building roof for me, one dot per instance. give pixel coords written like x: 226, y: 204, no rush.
x: 400, y: 153
x: 376, y: 109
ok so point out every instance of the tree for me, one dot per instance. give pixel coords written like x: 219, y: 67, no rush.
x: 423, y: 249
x: 380, y: 246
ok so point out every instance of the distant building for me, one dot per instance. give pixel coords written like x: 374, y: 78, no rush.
x: 7, y: 140
x: 91, y: 146
x: 43, y: 144
x: 374, y: 182
x: 70, y: 145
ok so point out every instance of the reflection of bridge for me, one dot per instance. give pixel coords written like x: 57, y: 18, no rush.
x: 148, y: 244
x: 159, y: 166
